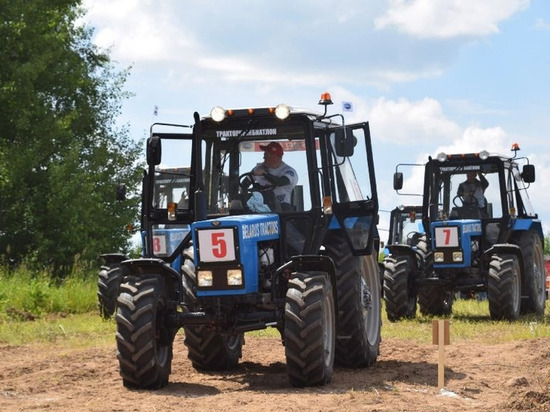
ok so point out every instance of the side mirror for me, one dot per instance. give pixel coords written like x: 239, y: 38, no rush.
x: 528, y: 173
x: 344, y: 143
x: 153, y: 151
x: 121, y: 192
x: 398, y: 181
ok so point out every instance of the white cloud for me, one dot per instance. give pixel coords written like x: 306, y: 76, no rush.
x: 448, y: 18
x: 475, y: 139
x: 138, y: 31
x: 396, y: 76
x: 411, y: 122
x: 542, y: 25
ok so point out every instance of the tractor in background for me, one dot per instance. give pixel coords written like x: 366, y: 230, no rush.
x: 487, y: 240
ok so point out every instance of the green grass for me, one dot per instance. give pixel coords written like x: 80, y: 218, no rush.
x: 80, y: 330
x: 470, y: 321
x: 34, y: 308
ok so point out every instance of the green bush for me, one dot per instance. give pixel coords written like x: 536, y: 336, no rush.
x: 26, y: 295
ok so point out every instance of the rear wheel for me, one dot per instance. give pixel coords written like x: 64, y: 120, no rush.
x: 504, y: 287
x: 108, y: 285
x: 310, y: 329
x: 399, y: 294
x: 432, y: 300
x: 435, y: 301
x: 211, y: 351
x: 207, y: 349
x: 359, y: 305
x: 144, y: 340
x: 189, y: 279
x: 534, y: 276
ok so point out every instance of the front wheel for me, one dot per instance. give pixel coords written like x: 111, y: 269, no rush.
x: 144, y: 339
x: 310, y: 329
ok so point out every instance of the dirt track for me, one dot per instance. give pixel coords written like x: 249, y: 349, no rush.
x: 510, y: 376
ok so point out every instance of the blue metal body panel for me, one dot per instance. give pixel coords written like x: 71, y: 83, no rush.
x: 167, y: 240
x: 250, y: 230
x: 467, y: 229
x: 528, y: 224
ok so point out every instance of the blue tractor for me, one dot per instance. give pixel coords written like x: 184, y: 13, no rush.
x: 404, y: 261
x: 170, y: 185
x: 482, y: 236
x: 252, y: 259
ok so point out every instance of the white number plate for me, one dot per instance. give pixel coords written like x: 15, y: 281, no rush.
x: 159, y: 245
x: 216, y: 245
x: 446, y: 236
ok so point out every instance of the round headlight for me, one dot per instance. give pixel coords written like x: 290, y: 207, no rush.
x: 217, y: 113
x: 441, y: 157
x: 483, y: 155
x: 282, y: 111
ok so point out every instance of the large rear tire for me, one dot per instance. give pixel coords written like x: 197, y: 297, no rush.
x: 108, y: 285
x: 144, y: 340
x: 207, y: 349
x: 435, y: 301
x: 534, y: 277
x: 211, y: 351
x: 432, y: 300
x: 310, y: 329
x: 399, y: 294
x: 504, y: 287
x: 359, y: 305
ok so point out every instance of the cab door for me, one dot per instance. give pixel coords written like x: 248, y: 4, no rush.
x: 354, y: 194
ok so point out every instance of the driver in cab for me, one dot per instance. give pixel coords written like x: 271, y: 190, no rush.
x: 472, y: 190
x: 274, y: 174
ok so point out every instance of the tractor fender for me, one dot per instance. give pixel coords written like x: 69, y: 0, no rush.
x: 113, y: 258
x: 400, y: 250
x: 406, y: 250
x: 510, y: 249
x: 313, y: 263
x: 528, y: 224
x: 147, y: 266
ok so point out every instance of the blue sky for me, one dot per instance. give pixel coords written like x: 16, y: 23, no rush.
x: 429, y: 75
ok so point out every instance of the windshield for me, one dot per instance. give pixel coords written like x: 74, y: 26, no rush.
x: 264, y: 170
x: 171, y: 185
x: 404, y: 226
x: 466, y: 192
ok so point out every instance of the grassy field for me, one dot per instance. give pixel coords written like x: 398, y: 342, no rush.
x: 37, y: 309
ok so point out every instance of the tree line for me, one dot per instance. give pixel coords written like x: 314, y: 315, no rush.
x: 61, y: 151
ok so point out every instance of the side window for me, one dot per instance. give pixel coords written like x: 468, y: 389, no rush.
x: 172, y: 176
x: 359, y: 164
x: 352, y: 174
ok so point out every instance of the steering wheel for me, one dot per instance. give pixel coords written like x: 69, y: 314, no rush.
x: 247, y: 183
x: 473, y: 203
x: 413, y: 237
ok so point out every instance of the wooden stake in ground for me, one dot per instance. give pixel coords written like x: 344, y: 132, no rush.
x: 441, y: 336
